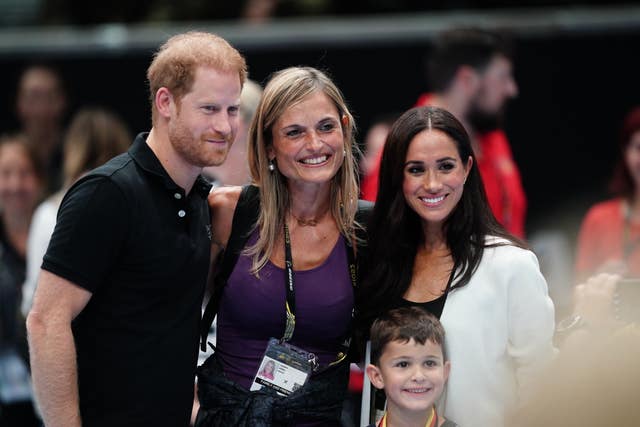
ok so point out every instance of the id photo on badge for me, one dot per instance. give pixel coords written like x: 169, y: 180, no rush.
x: 268, y: 369
x: 281, y: 377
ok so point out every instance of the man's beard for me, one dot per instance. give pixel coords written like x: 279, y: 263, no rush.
x: 483, y: 122
x: 194, y: 149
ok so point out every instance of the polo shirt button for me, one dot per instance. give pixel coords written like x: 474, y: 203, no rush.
x: 178, y: 196
x: 181, y: 213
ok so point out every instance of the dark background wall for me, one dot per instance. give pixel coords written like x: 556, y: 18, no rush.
x: 574, y: 90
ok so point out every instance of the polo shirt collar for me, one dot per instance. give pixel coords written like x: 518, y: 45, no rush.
x: 144, y: 157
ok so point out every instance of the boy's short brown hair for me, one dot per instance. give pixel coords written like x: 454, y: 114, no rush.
x: 404, y: 324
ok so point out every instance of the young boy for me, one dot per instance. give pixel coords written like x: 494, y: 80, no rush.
x: 408, y: 361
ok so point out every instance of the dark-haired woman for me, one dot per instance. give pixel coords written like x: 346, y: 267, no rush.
x: 433, y: 242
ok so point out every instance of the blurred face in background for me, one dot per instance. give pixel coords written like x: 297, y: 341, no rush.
x: 41, y: 102
x: 496, y: 86
x: 632, y: 159
x: 19, y: 183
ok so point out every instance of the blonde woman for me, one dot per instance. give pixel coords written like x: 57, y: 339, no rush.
x: 295, y: 263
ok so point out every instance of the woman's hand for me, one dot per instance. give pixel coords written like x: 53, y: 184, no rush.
x: 593, y: 299
x: 593, y: 310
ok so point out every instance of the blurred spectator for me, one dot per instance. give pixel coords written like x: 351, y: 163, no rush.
x: 370, y: 162
x: 41, y: 104
x: 95, y: 135
x: 235, y: 169
x: 257, y: 11
x: 595, y: 379
x: 20, y: 189
x: 609, y: 238
x: 594, y: 385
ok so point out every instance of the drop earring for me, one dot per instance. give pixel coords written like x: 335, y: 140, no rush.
x: 272, y: 166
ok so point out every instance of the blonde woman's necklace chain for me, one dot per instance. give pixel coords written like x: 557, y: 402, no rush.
x: 308, y: 222
x: 311, y: 222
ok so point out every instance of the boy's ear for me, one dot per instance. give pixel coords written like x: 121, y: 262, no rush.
x: 447, y: 369
x: 375, y: 376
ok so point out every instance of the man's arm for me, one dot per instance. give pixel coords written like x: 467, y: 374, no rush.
x: 56, y: 303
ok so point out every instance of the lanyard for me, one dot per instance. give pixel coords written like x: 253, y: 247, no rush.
x: 432, y: 421
x: 290, y: 304
x: 289, y: 283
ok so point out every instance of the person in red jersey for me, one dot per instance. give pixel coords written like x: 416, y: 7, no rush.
x: 609, y: 239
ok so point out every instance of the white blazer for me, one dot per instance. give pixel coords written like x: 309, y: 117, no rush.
x: 499, y: 330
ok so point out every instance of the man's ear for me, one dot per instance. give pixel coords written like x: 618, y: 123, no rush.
x: 375, y: 376
x: 164, y: 102
x: 468, y: 78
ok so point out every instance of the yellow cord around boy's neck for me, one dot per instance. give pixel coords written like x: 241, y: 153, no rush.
x: 432, y: 421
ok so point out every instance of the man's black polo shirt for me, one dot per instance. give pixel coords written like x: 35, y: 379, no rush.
x: 128, y: 234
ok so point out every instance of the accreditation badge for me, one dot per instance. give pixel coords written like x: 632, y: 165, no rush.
x: 284, y: 368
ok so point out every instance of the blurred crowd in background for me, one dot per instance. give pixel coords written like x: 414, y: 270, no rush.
x: 75, y: 12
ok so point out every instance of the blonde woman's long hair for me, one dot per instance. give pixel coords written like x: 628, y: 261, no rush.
x: 286, y: 88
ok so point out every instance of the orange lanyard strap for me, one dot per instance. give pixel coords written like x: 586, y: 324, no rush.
x: 431, y: 422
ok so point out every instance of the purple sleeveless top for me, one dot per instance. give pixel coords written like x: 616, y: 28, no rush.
x: 252, y: 310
